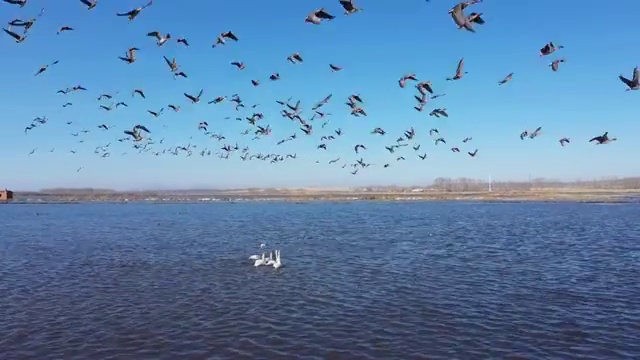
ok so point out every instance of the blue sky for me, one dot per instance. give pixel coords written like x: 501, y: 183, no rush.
x: 375, y: 47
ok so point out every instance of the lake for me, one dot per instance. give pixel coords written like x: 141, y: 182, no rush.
x: 362, y: 280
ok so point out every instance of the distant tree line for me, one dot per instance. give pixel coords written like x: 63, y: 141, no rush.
x: 467, y: 184
x: 76, y: 191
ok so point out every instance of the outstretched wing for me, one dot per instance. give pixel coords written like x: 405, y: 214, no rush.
x: 460, y: 68
x: 324, y: 15
x: 628, y: 82
x: 143, y: 128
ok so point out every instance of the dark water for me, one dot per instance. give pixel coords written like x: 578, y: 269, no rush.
x: 360, y: 281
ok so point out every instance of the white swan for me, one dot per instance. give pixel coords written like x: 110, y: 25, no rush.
x: 270, y: 260
x: 260, y: 261
x: 278, y: 263
x: 255, y: 257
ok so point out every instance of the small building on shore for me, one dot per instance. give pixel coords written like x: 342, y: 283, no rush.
x: 6, y: 195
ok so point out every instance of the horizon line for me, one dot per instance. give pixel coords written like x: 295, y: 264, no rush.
x: 438, y: 182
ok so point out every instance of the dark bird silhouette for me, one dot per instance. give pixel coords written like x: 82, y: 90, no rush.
x: 549, y: 48
x: 45, y: 67
x: 463, y: 21
x: 229, y: 35
x: 476, y: 18
x: 132, y: 14
x: 17, y: 37
x: 26, y: 25
x: 634, y: 83
x: 556, y: 64
x: 349, y: 7
x: 316, y: 16
x: 238, y: 64
x: 135, y: 132
x: 172, y: 64
x: 439, y: 112
x: 217, y: 100
x: 64, y: 28
x: 536, y: 133
x: 160, y: 39
x: 20, y: 3
x: 130, y: 56
x: 459, y: 71
x: 220, y: 40
x: 524, y: 134
x: 506, y: 79
x: 89, y: 4
x: 156, y: 113
x: 424, y: 87
x: 602, y: 139
x: 294, y: 58
x: 194, y: 99
x: 405, y: 78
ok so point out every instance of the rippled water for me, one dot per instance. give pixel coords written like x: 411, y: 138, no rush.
x: 360, y: 281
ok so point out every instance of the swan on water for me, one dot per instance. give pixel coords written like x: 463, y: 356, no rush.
x: 256, y: 257
x: 277, y: 264
x: 270, y: 260
x: 260, y: 261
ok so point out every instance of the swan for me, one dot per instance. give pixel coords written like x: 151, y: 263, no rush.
x: 255, y: 257
x: 270, y: 260
x: 260, y: 261
x: 278, y: 263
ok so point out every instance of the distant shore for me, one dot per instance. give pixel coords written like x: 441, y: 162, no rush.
x: 533, y: 195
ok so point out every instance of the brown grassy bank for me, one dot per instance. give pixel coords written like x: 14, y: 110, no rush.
x: 442, y: 189
x: 564, y: 194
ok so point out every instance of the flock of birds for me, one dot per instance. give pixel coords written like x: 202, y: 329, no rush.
x: 139, y: 135
x: 262, y: 260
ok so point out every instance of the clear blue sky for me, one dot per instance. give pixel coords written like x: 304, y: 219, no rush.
x: 375, y: 47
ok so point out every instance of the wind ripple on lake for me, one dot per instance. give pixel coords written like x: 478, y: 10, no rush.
x: 361, y: 281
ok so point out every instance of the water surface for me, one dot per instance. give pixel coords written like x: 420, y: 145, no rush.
x: 361, y: 281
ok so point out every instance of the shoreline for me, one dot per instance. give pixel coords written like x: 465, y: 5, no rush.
x: 583, y: 196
